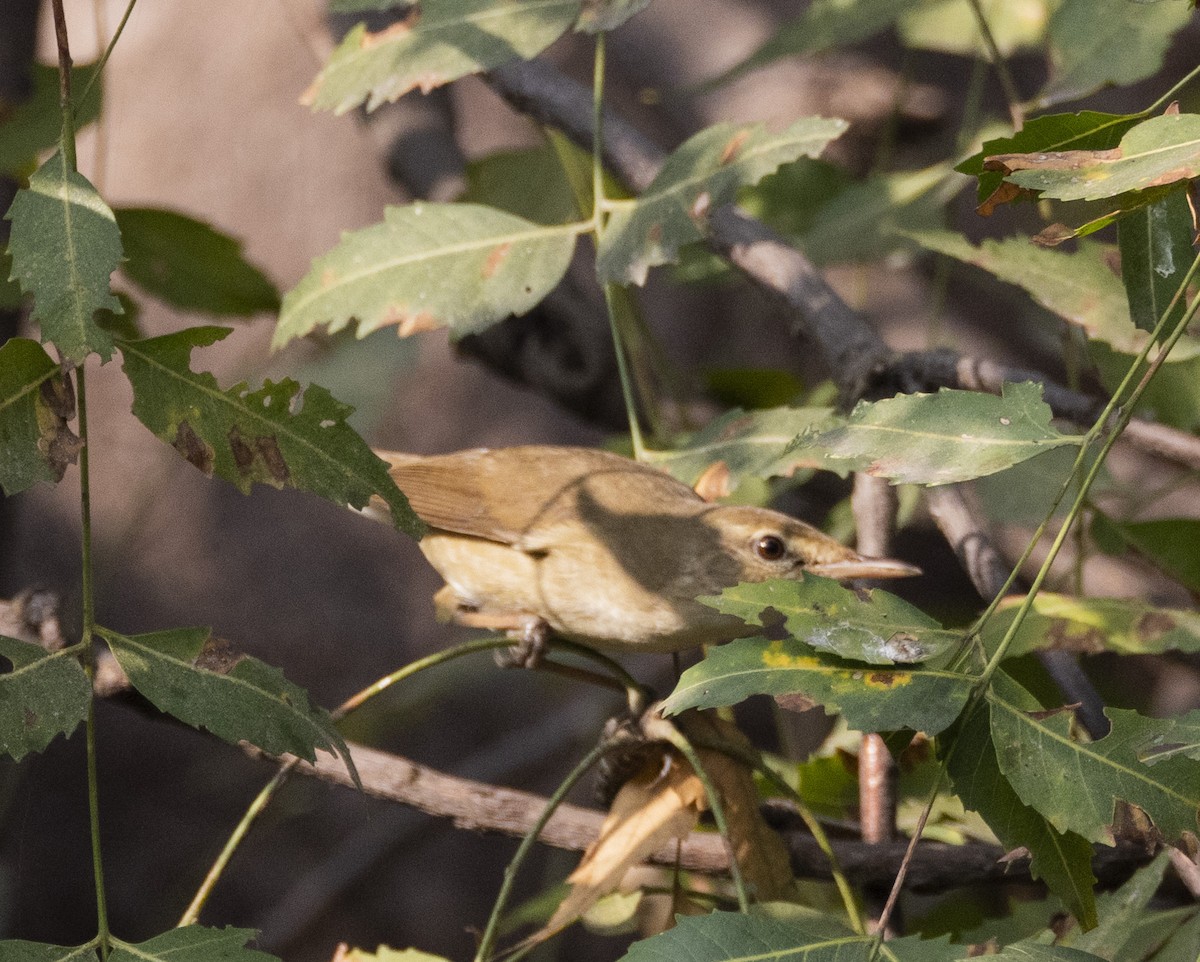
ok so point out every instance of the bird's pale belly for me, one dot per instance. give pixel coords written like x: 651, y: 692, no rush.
x: 589, y: 599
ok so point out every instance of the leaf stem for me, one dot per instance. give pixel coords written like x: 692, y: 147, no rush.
x: 1007, y: 84
x: 107, y: 53
x: 488, y: 940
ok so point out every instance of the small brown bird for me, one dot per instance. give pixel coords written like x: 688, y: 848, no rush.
x: 600, y: 549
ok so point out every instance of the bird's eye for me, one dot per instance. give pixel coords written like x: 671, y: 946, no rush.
x: 769, y: 547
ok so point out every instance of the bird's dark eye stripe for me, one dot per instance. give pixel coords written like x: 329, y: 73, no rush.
x: 769, y: 547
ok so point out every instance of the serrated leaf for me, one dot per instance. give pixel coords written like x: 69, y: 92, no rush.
x: 874, y: 627
x: 824, y: 24
x: 427, y: 266
x: 1128, y: 626
x: 1063, y: 860
x: 65, y: 245
x: 734, y: 937
x: 938, y: 438
x: 1075, y: 784
x: 35, y: 124
x: 748, y: 443
x: 953, y: 27
x: 1094, y: 43
x: 191, y: 265
x: 437, y: 42
x: 1155, y: 153
x: 1086, y: 130
x: 600, y: 15
x: 274, y: 435
x: 1080, y: 287
x: 871, y: 699
x: 35, y: 404
x: 16, y: 950
x: 193, y: 943
x: 701, y: 175
x: 44, y: 696
x: 200, y: 680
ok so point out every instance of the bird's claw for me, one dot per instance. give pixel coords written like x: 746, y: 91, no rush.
x: 532, y: 641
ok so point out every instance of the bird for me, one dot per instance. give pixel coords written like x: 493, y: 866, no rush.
x: 600, y: 549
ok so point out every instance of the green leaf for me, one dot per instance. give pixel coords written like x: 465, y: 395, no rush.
x: 501, y: 180
x: 427, y: 266
x: 44, y: 696
x: 1156, y: 251
x: 1086, y: 130
x: 35, y: 124
x: 1173, y: 395
x: 700, y: 176
x: 1031, y: 951
x: 824, y: 24
x: 192, y: 943
x: 202, y: 681
x: 36, y: 402
x: 952, y: 26
x: 190, y: 265
x: 1063, y: 860
x: 750, y: 444
x: 600, y: 15
x: 733, y: 937
x: 438, y: 42
x: 1080, y: 287
x: 938, y: 438
x: 1123, y: 910
x: 870, y: 219
x: 1094, y: 43
x: 873, y: 627
x: 274, y: 435
x: 1155, y: 153
x: 18, y: 951
x: 1170, y: 543
x: 1128, y: 626
x: 876, y: 699
x: 1181, y: 946
x: 1075, y: 784
x: 65, y: 244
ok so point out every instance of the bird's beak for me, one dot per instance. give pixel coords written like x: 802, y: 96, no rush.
x: 859, y: 567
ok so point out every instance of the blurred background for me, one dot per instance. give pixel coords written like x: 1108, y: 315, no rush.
x: 201, y: 115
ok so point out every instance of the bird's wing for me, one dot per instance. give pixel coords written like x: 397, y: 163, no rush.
x: 511, y: 495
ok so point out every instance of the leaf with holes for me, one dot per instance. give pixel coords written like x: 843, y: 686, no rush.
x: 36, y: 402
x: 1075, y: 784
x: 938, y: 438
x: 460, y: 266
x: 44, y: 696
x: 202, y: 681
x: 65, y: 245
x: 275, y: 435
x: 700, y: 176
x: 437, y: 42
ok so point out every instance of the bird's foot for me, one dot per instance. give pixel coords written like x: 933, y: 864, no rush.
x: 532, y: 637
